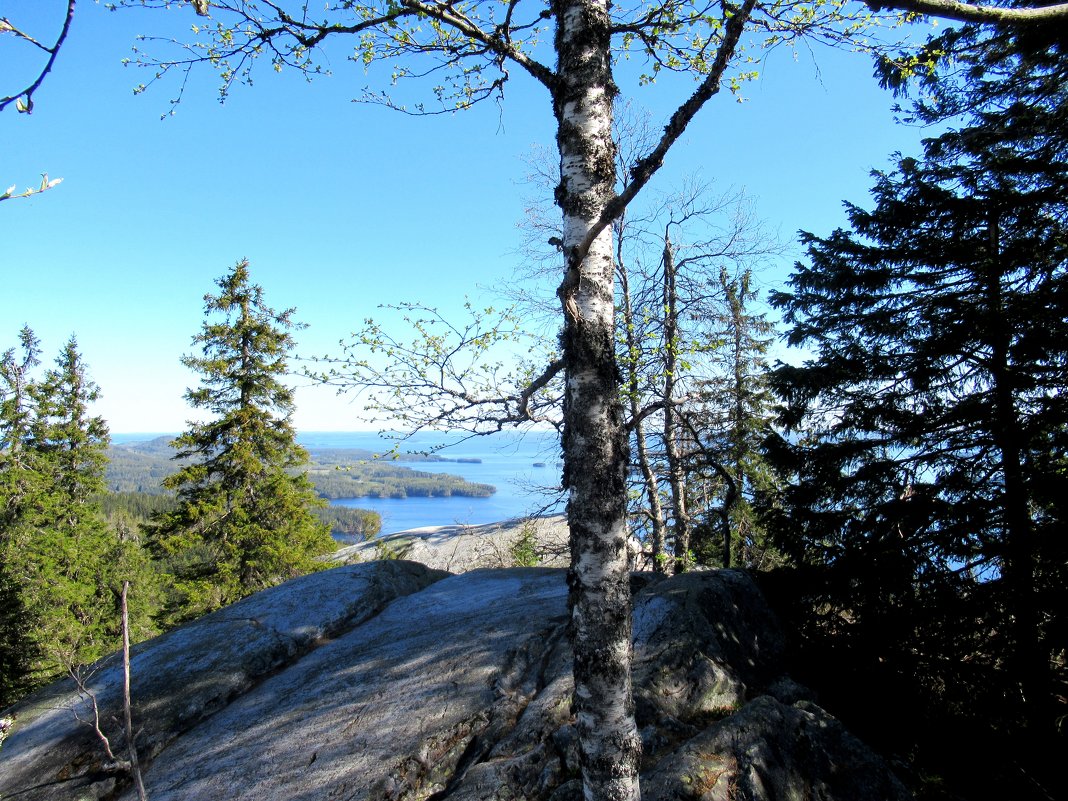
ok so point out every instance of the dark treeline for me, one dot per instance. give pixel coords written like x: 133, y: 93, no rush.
x: 137, y: 506
x: 346, y: 524
x: 350, y: 525
x: 134, y: 470
x: 350, y: 455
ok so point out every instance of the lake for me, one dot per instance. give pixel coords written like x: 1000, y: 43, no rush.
x: 507, y: 461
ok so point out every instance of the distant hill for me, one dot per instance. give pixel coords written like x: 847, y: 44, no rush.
x: 335, y: 472
x: 139, y: 466
x: 158, y: 446
x: 344, y: 455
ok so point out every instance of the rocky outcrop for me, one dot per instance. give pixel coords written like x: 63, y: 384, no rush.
x: 457, y: 688
x: 183, y: 678
x: 536, y: 541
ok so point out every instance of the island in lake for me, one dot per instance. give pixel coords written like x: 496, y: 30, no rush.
x: 136, y: 471
x: 335, y: 472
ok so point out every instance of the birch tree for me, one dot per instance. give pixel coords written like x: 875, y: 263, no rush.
x: 680, y: 259
x: 465, y: 51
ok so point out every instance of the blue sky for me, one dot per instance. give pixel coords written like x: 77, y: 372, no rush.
x: 338, y: 206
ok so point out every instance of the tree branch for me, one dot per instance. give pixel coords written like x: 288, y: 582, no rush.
x: 24, y: 98
x: 647, y: 167
x: 536, y: 385
x: 970, y: 12
x: 9, y: 193
x: 449, y: 15
x: 114, y: 763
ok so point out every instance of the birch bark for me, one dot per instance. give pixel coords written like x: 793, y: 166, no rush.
x: 594, y: 440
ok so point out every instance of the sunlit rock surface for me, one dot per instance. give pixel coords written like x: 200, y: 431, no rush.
x: 448, y: 688
x: 540, y: 541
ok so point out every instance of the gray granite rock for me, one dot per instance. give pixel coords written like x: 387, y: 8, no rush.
x: 392, y: 709
x: 187, y: 675
x: 461, y: 548
x: 767, y: 751
x: 460, y: 690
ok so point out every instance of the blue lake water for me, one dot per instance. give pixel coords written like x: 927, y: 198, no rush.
x: 507, y: 461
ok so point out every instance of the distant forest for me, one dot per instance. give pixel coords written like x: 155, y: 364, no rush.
x: 135, y: 472
x: 347, y: 524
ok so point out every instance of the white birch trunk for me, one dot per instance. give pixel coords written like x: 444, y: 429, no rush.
x: 595, y: 445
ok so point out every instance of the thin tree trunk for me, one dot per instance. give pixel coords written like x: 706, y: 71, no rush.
x: 652, y: 489
x: 676, y: 479
x: 594, y: 439
x: 735, y: 297
x: 1029, y: 663
x: 652, y: 493
x: 127, y: 706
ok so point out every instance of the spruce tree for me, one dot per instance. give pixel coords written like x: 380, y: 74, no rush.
x: 19, y: 487
x: 57, y: 608
x: 734, y: 414
x: 244, y: 519
x: 933, y: 418
x: 71, y: 538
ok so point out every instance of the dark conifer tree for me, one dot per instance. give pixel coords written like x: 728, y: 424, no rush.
x: 244, y: 518
x: 19, y: 486
x: 67, y: 587
x: 933, y: 418
x: 734, y: 416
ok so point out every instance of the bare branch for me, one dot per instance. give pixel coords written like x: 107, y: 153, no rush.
x: 461, y: 376
x: 115, y: 763
x: 473, y: 53
x: 647, y: 167
x: 23, y: 99
x: 536, y: 386
x: 448, y: 14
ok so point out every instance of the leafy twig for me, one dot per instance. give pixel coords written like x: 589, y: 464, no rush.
x: 46, y: 184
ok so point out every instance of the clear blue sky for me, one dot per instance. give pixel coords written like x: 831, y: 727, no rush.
x: 338, y: 206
